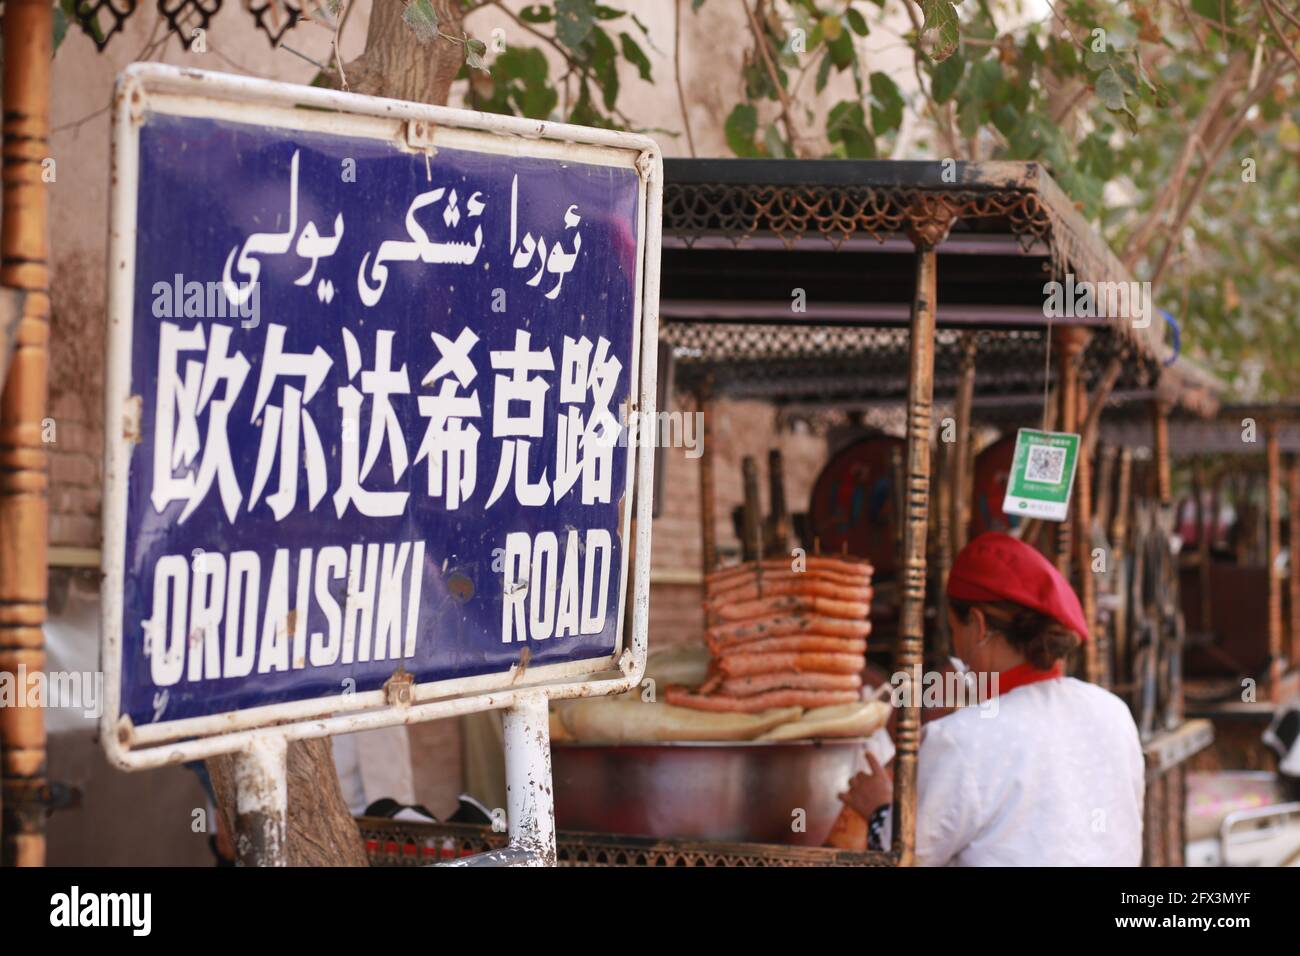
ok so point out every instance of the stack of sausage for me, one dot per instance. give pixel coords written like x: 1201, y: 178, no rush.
x: 784, y: 638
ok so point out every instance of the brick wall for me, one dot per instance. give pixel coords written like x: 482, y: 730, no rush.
x: 739, y: 429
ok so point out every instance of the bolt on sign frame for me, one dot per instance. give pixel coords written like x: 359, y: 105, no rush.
x: 252, y: 120
x: 740, y: 236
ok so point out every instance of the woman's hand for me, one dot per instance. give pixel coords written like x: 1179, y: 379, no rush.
x: 869, y: 792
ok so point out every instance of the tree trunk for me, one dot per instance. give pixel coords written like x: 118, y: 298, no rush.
x: 321, y: 830
x: 399, y: 65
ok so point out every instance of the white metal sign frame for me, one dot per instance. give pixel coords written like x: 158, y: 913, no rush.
x: 145, y: 88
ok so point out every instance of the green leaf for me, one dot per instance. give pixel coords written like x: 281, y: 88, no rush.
x: 1110, y: 90
x: 773, y: 142
x: 841, y: 49
x: 421, y: 18
x: 1095, y: 61
x: 947, y: 75
x: 886, y: 104
x: 1216, y: 9
x: 635, y: 55
x: 521, y: 84
x: 70, y: 10
x: 574, y: 20
x: 536, y: 13
x: 604, y: 62
x: 824, y: 71
x: 941, y: 17
x: 846, y: 126
x: 1032, y: 54
x: 985, y: 78
x: 608, y: 13
x: 696, y: 4
x: 584, y: 113
x: 740, y: 128
x: 60, y: 26
x: 857, y: 22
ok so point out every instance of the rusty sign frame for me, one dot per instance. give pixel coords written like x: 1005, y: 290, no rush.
x: 154, y: 87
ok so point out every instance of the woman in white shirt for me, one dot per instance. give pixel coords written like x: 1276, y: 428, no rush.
x: 1049, y: 772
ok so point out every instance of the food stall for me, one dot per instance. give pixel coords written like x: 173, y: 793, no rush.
x: 882, y: 303
x: 1237, y: 484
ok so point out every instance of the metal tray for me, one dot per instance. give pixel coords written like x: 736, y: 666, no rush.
x: 743, y: 791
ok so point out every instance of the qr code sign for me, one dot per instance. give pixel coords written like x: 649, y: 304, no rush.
x: 1046, y: 465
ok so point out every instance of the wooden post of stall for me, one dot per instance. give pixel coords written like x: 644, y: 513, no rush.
x: 1293, y: 506
x: 776, y: 536
x: 928, y: 228
x: 1160, y: 430
x: 1216, y: 504
x: 1076, y: 532
x: 1068, y: 341
x: 1123, y: 666
x: 24, y: 468
x: 1101, y: 514
x: 752, y: 521
x: 1273, y: 450
x: 708, y: 492
x: 1206, y: 523
x: 959, y: 522
x: 942, y: 552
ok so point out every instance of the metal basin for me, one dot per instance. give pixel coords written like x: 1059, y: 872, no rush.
x: 731, y: 792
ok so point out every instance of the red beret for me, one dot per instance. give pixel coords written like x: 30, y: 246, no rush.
x: 998, y: 567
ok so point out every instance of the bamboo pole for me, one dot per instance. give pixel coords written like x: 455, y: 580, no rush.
x: 24, y: 468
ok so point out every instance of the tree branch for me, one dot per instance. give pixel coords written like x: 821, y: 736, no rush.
x: 1219, y: 92
x: 1265, y: 84
x: 677, y: 72
x: 786, y: 118
x: 1281, y: 37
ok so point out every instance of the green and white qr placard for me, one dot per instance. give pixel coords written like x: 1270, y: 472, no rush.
x: 1042, y: 474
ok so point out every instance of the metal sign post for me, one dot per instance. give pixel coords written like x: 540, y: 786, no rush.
x: 372, y: 379
x: 262, y: 803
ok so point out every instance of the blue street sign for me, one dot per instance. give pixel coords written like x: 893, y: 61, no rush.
x: 381, y: 396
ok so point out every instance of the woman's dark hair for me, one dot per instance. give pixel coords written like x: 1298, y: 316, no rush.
x: 1042, y: 639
